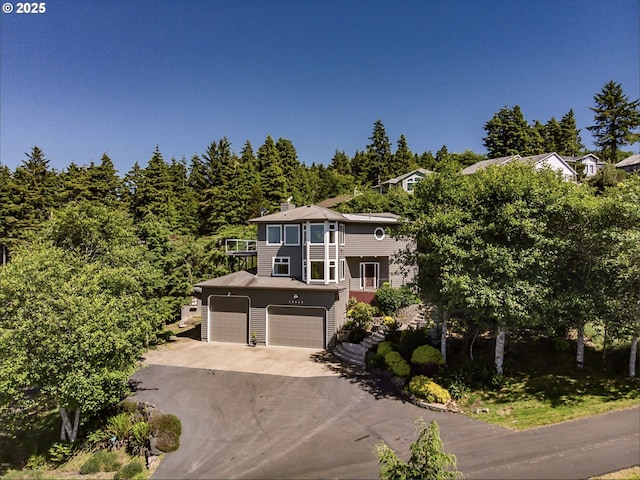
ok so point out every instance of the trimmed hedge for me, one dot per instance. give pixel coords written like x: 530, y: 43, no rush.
x: 428, y: 389
x: 397, y: 364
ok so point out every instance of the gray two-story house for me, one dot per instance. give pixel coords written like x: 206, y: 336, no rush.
x: 310, y: 260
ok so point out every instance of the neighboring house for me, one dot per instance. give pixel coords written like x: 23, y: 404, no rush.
x: 630, y: 164
x: 406, y: 181
x: 545, y: 160
x: 310, y: 260
x: 591, y: 163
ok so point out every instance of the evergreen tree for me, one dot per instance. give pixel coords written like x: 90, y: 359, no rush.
x: 617, y: 120
x: 340, y: 163
x: 377, y: 168
x: 273, y: 182
x: 74, y: 183
x: 402, y: 160
x: 35, y: 191
x: 509, y: 134
x: 569, y: 141
x: 104, y: 183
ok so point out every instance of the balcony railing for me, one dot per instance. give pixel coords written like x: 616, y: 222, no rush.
x: 236, y: 247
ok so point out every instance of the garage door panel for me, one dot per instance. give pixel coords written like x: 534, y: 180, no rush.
x: 297, y: 327
x: 229, y: 319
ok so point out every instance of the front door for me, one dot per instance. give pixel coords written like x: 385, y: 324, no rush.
x: 369, y: 273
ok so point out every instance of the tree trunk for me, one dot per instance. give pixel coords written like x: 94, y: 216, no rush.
x: 499, y: 356
x: 443, y: 338
x: 69, y: 432
x: 475, y: 335
x: 580, y: 347
x: 632, y: 356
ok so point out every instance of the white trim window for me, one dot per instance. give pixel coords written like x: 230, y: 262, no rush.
x: 341, y: 233
x: 292, y: 235
x: 316, y: 233
x: 343, y: 269
x: 274, y: 234
x: 333, y: 271
x: 378, y: 233
x: 317, y: 270
x: 280, y: 266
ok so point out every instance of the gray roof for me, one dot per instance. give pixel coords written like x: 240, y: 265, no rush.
x: 332, y: 202
x: 580, y: 158
x: 627, y: 162
x: 485, y: 163
x: 247, y: 279
x: 317, y: 213
x: 399, y: 178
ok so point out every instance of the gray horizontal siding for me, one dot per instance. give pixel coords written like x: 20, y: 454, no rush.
x: 360, y: 241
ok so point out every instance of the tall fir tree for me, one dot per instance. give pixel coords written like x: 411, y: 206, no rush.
x: 616, y: 120
x: 378, y: 152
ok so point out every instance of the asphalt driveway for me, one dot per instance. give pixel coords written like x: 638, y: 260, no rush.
x: 245, y: 415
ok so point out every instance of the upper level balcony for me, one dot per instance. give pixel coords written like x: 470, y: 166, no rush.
x: 236, y: 247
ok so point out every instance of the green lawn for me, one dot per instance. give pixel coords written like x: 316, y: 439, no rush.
x: 542, y: 385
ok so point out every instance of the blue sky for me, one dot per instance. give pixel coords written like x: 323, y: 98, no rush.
x: 121, y: 77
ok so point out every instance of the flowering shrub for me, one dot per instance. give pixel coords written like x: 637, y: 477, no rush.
x: 428, y: 389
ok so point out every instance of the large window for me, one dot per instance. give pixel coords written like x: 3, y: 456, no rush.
x: 281, y: 266
x: 316, y: 233
x: 274, y: 235
x: 292, y: 235
x: 317, y: 270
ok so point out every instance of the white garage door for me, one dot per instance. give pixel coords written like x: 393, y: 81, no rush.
x: 296, y: 326
x: 229, y: 319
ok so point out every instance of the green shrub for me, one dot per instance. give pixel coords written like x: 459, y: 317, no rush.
x: 92, y: 465
x: 397, y: 364
x: 36, y: 462
x: 427, y: 360
x: 376, y: 361
x: 390, y: 299
x: 384, y: 348
x: 361, y: 315
x: 61, y: 452
x: 428, y: 389
x: 410, y: 339
x: 119, y: 425
x: 167, y: 430
x: 140, y: 432
x: 102, y: 460
x: 129, y: 471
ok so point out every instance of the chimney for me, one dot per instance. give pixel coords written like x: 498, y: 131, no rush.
x: 286, y: 206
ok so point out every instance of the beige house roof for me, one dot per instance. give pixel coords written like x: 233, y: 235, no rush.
x: 398, y: 179
x: 627, y: 162
x: 485, y: 163
x: 248, y: 279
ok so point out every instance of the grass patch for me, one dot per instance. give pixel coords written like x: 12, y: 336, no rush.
x: 626, y: 474
x: 542, y: 386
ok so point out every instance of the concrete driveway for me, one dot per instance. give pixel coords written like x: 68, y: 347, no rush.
x: 255, y: 413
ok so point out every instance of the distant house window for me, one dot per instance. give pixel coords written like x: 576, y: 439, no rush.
x: 379, y: 233
x: 317, y: 270
x: 292, y: 235
x: 281, y: 266
x: 316, y: 233
x: 411, y: 182
x: 274, y: 235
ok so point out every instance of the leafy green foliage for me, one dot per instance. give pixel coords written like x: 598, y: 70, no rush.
x: 119, y: 425
x: 139, y: 438
x: 61, y: 452
x: 397, y: 364
x: 390, y: 299
x: 428, y: 359
x: 428, y: 459
x: 132, y: 470
x: 428, y: 389
x: 384, y: 348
